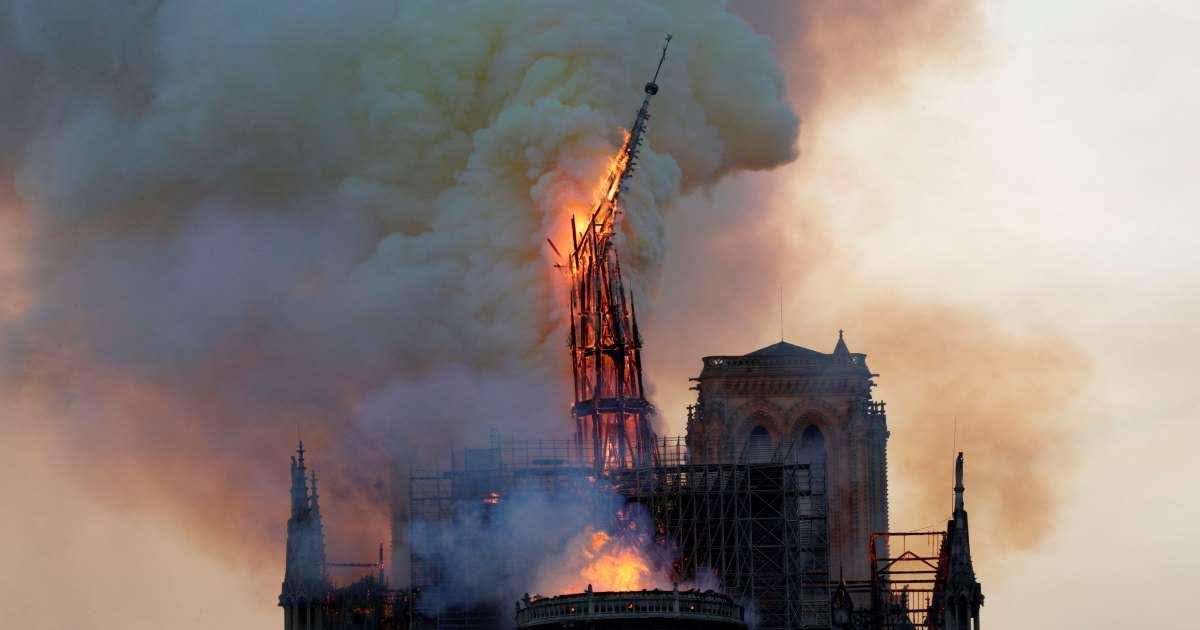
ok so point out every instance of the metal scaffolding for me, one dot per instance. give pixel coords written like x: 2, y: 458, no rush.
x: 759, y: 528
x: 442, y: 497
x: 903, y: 580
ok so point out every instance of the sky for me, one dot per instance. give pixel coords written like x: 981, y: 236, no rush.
x: 1047, y: 183
x: 1064, y: 195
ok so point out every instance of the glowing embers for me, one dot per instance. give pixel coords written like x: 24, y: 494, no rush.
x: 617, y: 168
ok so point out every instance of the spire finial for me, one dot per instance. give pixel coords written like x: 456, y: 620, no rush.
x: 840, y: 350
x: 781, y: 312
x: 958, y: 483
x: 661, y: 59
x: 300, y: 495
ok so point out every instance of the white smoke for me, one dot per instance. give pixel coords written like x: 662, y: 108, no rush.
x: 246, y: 217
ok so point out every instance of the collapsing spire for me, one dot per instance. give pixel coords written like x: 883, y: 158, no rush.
x: 611, y: 412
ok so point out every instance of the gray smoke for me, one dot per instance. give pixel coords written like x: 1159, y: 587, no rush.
x: 541, y: 542
x: 233, y: 222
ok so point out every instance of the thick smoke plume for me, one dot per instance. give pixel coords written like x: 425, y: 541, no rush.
x: 236, y: 223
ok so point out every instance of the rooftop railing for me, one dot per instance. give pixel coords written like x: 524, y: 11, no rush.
x: 697, y: 605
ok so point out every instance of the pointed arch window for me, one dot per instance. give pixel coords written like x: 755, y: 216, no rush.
x: 812, y: 445
x: 760, y: 448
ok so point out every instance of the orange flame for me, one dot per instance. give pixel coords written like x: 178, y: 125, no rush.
x: 617, y: 165
x: 614, y: 567
x: 605, y: 192
x: 605, y: 563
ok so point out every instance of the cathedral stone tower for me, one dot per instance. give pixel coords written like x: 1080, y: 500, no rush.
x: 788, y: 403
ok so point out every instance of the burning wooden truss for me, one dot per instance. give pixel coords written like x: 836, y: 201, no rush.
x: 611, y: 412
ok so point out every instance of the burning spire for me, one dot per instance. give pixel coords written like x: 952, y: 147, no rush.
x: 611, y: 412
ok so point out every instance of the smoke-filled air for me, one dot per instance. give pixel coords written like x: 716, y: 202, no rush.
x: 227, y: 225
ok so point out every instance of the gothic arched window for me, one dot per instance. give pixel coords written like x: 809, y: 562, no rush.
x: 812, y: 445
x: 760, y: 448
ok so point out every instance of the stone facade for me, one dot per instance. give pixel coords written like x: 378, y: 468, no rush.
x: 788, y: 403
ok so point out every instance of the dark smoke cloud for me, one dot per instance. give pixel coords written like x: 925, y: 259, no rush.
x: 233, y: 225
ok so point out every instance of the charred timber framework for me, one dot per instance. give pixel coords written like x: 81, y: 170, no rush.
x: 612, y: 415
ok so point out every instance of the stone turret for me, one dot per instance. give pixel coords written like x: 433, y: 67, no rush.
x: 841, y: 608
x: 304, y: 583
x: 959, y: 596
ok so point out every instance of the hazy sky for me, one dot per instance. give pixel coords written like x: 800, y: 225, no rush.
x: 1051, y: 183
x: 1057, y: 187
